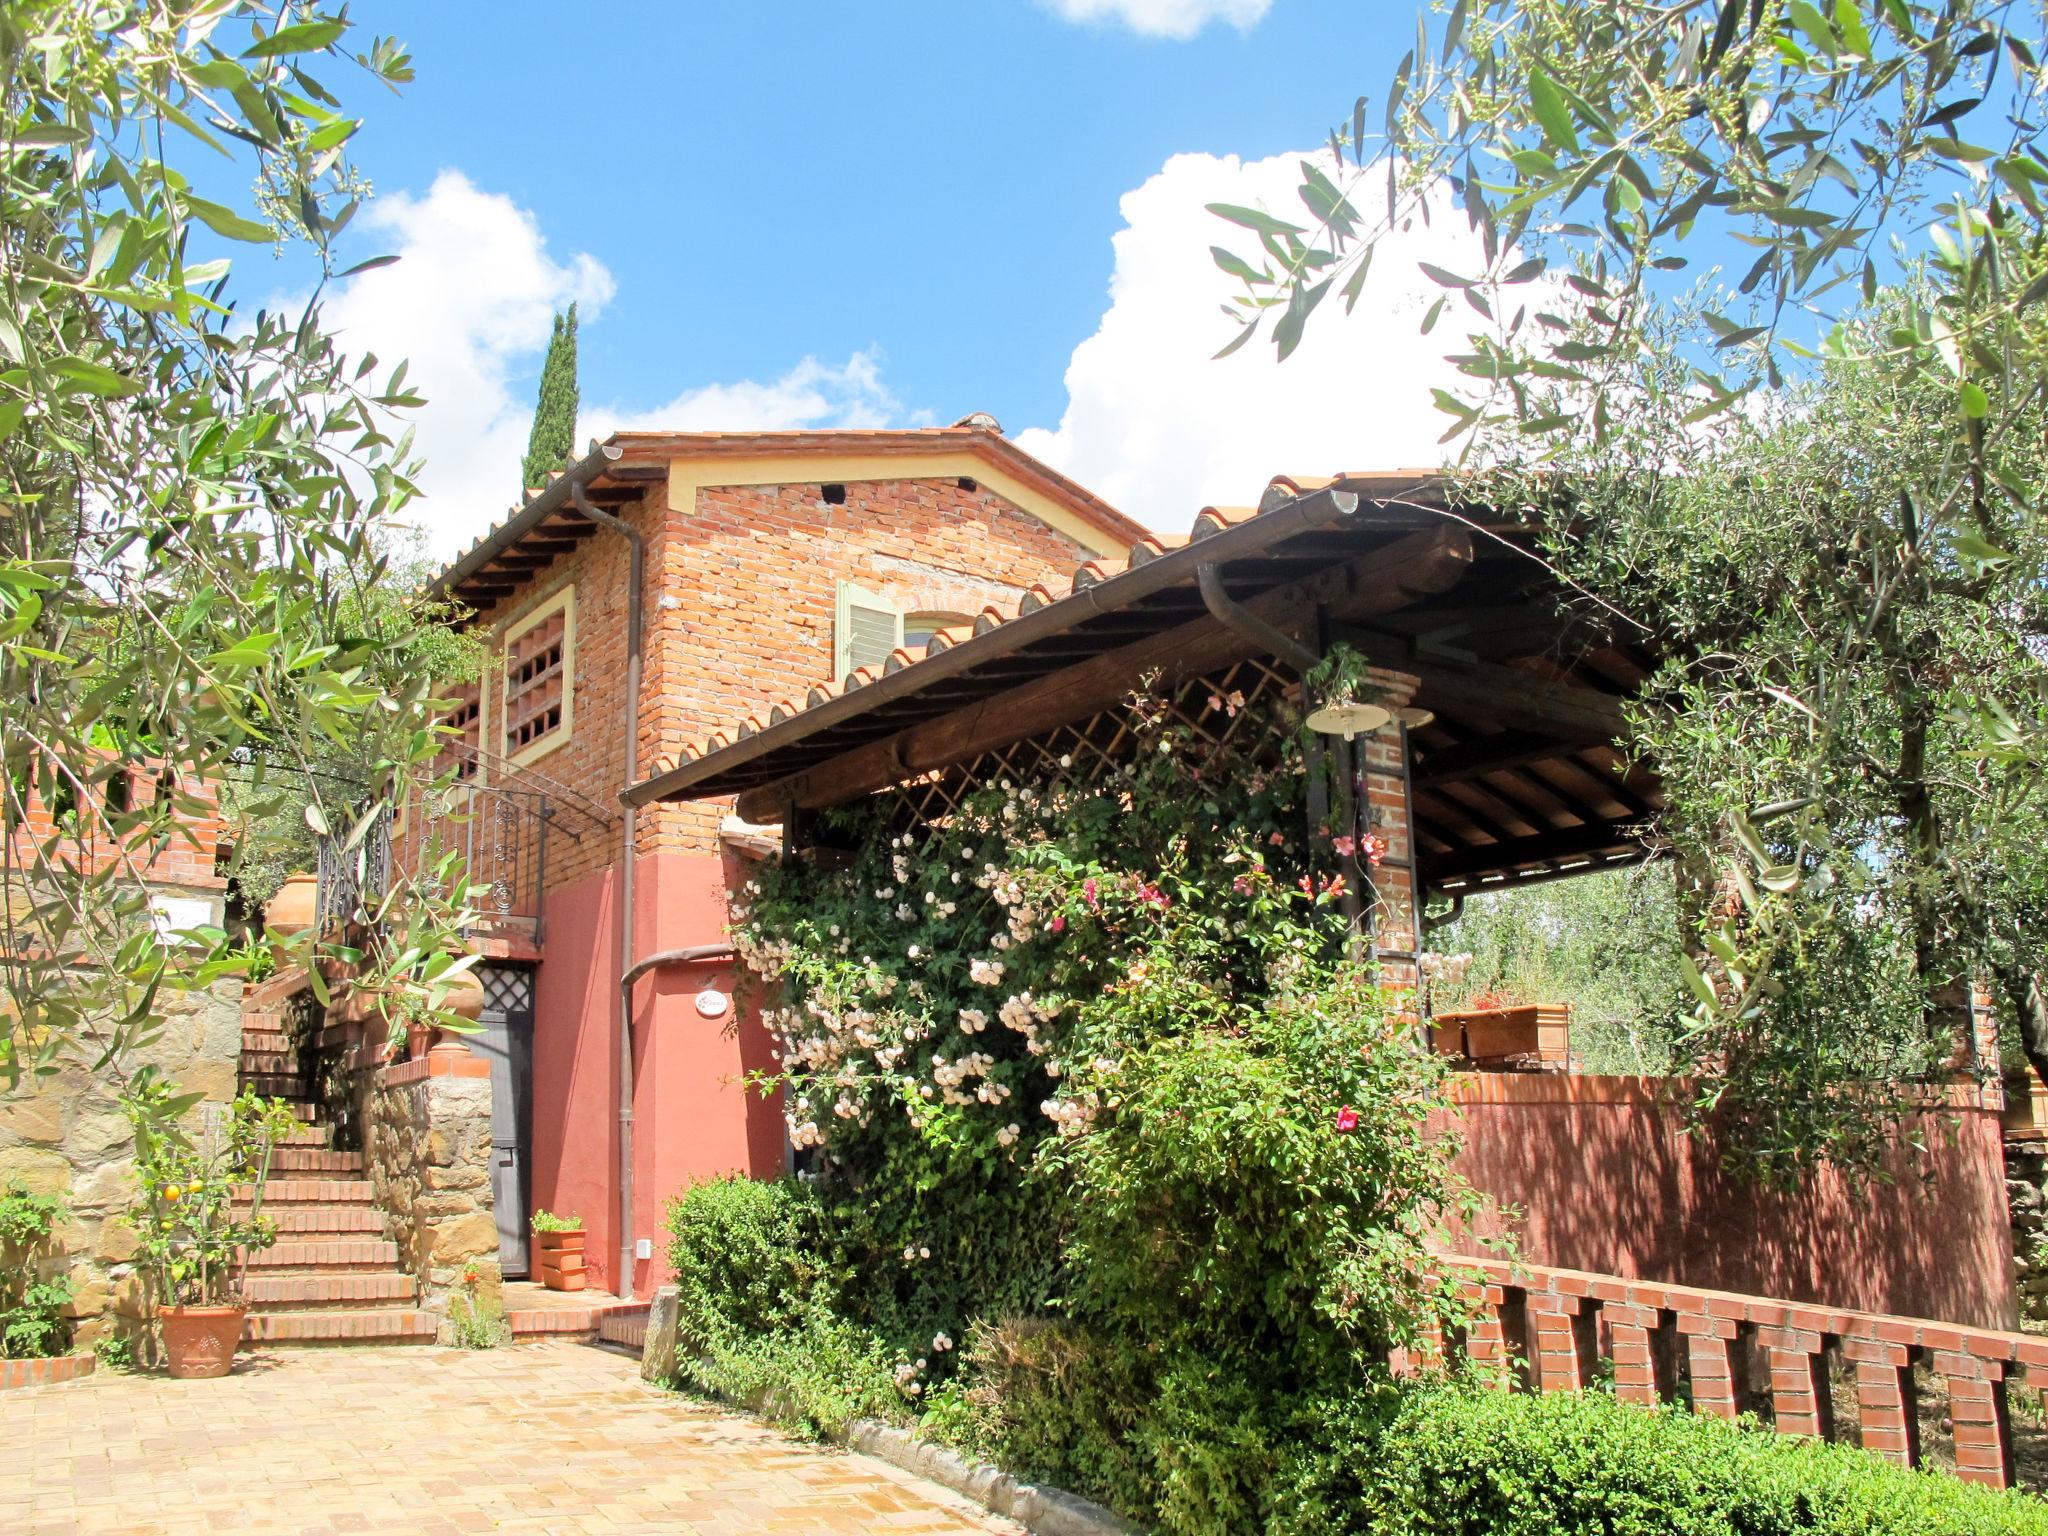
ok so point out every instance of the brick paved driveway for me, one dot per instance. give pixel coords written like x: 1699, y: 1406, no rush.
x: 555, y: 1439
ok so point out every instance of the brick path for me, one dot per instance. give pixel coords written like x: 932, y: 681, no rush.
x: 554, y: 1439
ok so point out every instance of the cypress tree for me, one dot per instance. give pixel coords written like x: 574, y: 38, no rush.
x: 554, y: 416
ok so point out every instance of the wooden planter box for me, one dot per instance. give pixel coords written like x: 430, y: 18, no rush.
x: 2026, y: 1108
x: 559, y: 1256
x: 1527, y: 1037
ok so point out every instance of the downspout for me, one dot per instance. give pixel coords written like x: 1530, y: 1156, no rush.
x: 637, y: 547
x: 1231, y: 614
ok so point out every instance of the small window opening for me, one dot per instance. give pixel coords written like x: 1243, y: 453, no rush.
x: 966, y: 483
x: 835, y: 495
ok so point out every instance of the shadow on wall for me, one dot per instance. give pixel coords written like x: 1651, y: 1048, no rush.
x: 1608, y: 1178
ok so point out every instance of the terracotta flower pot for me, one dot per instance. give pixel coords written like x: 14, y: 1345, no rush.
x: 294, y: 907
x: 200, y: 1341
x: 561, y: 1259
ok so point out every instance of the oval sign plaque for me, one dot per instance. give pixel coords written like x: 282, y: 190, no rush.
x: 711, y: 1003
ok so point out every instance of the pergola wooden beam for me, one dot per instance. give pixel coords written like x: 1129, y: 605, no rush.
x: 1544, y: 848
x: 1425, y: 561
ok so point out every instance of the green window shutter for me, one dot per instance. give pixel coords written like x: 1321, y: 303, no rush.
x: 865, y: 630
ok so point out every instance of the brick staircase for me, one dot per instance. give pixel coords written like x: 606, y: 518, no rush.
x: 332, y: 1277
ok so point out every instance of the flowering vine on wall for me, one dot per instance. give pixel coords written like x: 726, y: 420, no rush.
x: 1022, y: 1047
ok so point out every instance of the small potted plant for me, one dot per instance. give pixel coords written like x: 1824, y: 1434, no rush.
x: 558, y: 1241
x: 200, y: 1214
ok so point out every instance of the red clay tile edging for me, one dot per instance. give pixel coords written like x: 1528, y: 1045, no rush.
x: 38, y: 1373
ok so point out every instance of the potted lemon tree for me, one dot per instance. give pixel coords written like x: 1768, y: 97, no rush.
x: 199, y: 1214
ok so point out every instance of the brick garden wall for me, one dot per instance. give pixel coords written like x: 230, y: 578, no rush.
x: 1607, y: 1178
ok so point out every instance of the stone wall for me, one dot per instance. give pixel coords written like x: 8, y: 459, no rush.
x: 65, y: 1135
x: 427, y: 1152
x: 2026, y: 1191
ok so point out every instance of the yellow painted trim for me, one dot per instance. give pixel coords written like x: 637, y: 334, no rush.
x: 564, y: 603
x: 687, y: 476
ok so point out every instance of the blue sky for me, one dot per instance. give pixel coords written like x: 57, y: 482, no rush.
x: 771, y: 180
x: 783, y: 214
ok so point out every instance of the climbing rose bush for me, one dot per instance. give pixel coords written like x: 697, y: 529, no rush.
x: 1093, y: 1048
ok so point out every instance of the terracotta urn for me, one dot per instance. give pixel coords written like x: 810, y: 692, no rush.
x: 560, y: 1255
x: 465, y: 995
x: 200, y: 1341
x: 294, y: 907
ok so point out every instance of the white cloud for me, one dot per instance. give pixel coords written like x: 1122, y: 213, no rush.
x: 812, y: 394
x: 1160, y: 428
x: 1163, y: 18
x: 469, y: 303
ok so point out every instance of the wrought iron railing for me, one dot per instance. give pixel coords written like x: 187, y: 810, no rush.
x: 497, y: 832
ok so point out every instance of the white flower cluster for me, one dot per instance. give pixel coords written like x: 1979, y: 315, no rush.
x: 1071, y: 1116
x: 1024, y: 1014
x: 989, y: 973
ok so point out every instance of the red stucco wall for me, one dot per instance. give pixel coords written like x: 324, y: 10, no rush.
x: 1609, y: 1180
x: 692, y: 1116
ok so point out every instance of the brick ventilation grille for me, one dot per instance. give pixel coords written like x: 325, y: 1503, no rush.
x: 465, y: 721
x: 533, y: 684
x: 1247, y: 732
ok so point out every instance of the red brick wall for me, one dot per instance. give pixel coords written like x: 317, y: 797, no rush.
x: 1603, y: 1175
x: 741, y: 593
x: 186, y: 858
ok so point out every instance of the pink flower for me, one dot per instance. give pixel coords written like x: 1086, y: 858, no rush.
x: 1347, y: 1119
x: 1344, y: 846
x: 1058, y: 924
x: 1242, y: 885
x: 1088, y: 890
x: 1374, y: 847
x: 1277, y: 840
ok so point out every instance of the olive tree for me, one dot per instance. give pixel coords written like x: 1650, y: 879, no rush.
x: 1752, y: 329
x: 193, y: 496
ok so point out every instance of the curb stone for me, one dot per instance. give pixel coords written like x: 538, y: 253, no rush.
x: 1043, y: 1511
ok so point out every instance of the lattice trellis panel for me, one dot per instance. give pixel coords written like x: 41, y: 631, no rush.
x: 1241, y: 727
x: 508, y: 989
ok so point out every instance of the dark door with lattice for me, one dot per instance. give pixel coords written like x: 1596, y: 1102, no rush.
x: 507, y: 1042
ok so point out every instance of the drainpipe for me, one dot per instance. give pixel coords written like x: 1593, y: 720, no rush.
x: 1231, y: 614
x: 634, y: 596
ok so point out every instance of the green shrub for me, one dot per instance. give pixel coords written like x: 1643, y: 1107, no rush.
x: 1456, y: 1462
x: 757, y: 1322
x: 32, y: 1297
x: 739, y: 1249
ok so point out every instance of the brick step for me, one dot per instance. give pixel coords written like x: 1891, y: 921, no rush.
x: 276, y: 1085
x: 307, y: 1136
x: 388, y: 1325
x: 318, y: 1218
x: 331, y: 1255
x: 265, y: 1040
x: 298, y: 1159
x: 256, y: 1064
x: 301, y: 1192
x: 291, y: 1292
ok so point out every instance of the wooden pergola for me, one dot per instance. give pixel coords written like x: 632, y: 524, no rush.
x: 1514, y: 777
